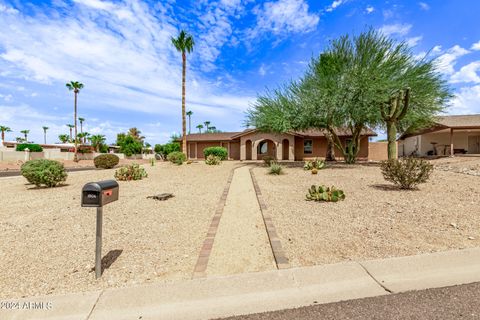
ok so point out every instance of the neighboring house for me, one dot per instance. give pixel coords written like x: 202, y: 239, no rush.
x: 64, y: 147
x: 449, y: 135
x: 252, y: 144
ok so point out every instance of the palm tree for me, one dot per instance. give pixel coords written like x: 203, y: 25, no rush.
x: 4, y: 129
x: 207, y: 123
x: 75, y: 86
x: 213, y: 128
x: 81, y: 120
x: 25, y: 134
x: 70, y: 126
x: 189, y: 114
x: 200, y: 127
x: 82, y: 137
x: 45, y: 134
x: 63, y: 138
x: 136, y: 134
x: 183, y: 43
x: 97, y: 140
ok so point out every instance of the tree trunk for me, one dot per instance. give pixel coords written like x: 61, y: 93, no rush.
x: 3, y: 137
x: 75, y: 157
x: 392, y: 140
x: 330, y: 156
x: 45, y: 137
x: 184, y: 120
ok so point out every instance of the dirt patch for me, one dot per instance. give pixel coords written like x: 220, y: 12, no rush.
x: 47, y: 241
x: 375, y: 220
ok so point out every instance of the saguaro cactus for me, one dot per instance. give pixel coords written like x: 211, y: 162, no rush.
x: 392, y: 112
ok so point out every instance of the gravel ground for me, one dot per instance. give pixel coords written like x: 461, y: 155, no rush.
x: 47, y: 240
x: 241, y: 243
x: 466, y: 165
x: 375, y: 220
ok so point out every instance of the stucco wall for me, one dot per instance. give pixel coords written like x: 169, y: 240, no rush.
x: 378, y: 151
x: 320, y: 148
x: 277, y: 138
x: 423, y: 143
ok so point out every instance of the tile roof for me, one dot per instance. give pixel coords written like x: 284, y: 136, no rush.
x: 229, y: 136
x: 459, y: 121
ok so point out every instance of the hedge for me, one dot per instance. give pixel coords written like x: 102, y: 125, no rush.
x: 33, y: 147
x: 220, y: 152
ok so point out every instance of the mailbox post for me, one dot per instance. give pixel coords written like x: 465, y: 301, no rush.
x: 96, y: 195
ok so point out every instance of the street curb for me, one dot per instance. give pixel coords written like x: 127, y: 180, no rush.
x: 212, y: 297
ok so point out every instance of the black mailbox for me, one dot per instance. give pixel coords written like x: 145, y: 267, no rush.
x: 98, y: 194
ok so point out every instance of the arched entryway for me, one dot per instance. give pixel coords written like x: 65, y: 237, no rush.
x: 285, y: 149
x: 248, y: 147
x: 266, y: 148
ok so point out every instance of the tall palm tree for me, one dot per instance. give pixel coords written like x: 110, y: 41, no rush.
x: 82, y: 137
x: 189, y: 114
x: 45, y: 134
x: 63, y: 138
x: 207, y: 123
x: 81, y: 120
x: 25, y: 134
x: 200, y: 127
x: 4, y: 129
x: 136, y: 134
x: 183, y: 43
x: 75, y: 86
x: 97, y: 140
x: 70, y: 126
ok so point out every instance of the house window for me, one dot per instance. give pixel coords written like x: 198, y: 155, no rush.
x: 263, y: 147
x: 307, y: 146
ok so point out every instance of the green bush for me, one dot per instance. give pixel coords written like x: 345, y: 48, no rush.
x: 314, y: 164
x: 165, y: 149
x: 129, y: 145
x: 406, y: 173
x: 106, y: 161
x: 31, y: 146
x: 44, y: 172
x: 213, y: 160
x: 85, y: 149
x: 176, y: 157
x: 130, y: 172
x: 275, y: 168
x: 268, y: 160
x: 323, y: 193
x: 220, y: 152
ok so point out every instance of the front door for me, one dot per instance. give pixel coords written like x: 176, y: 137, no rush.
x: 474, y: 144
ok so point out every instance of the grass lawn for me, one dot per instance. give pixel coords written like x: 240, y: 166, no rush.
x: 376, y: 219
x: 47, y: 241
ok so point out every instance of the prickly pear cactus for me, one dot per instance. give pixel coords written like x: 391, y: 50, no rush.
x: 314, y: 164
x: 323, y: 193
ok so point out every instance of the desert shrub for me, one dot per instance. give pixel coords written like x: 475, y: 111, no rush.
x: 176, y: 157
x: 31, y: 146
x: 407, y: 172
x: 220, y: 152
x: 106, y: 161
x: 129, y: 145
x: 103, y: 148
x: 314, y: 171
x: 130, y: 172
x: 268, y: 160
x: 163, y: 150
x: 314, y: 164
x: 213, y: 160
x: 44, y: 172
x: 85, y: 149
x: 323, y: 193
x: 275, y: 169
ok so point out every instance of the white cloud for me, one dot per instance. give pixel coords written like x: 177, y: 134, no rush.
x: 437, y: 49
x: 283, y: 17
x: 262, y: 70
x: 334, y: 5
x: 130, y: 66
x: 466, y: 101
x: 396, y: 29
x: 424, y: 6
x: 447, y: 61
x: 467, y: 73
x: 476, y: 46
x: 413, y: 41
x: 370, y: 9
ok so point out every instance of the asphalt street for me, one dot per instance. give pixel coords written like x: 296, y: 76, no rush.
x: 457, y: 302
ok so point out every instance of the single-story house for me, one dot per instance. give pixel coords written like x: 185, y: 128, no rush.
x: 449, y: 135
x: 251, y: 144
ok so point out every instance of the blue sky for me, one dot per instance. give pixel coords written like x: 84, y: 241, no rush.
x: 121, y: 51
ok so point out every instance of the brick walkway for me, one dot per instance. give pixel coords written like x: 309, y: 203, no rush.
x: 241, y: 237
